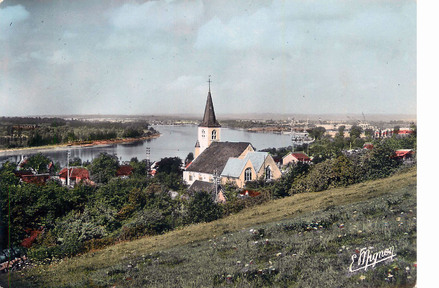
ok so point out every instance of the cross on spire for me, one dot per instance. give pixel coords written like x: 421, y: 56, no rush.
x: 209, y: 81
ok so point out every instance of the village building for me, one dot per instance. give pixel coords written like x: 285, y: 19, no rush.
x: 124, y: 171
x: 223, y: 162
x: 294, y: 158
x: 404, y: 154
x: 76, y: 175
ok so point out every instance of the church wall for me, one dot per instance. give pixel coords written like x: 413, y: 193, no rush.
x: 275, y: 172
x: 244, y: 153
x: 190, y: 176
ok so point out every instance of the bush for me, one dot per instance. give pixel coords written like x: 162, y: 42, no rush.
x: 202, y: 208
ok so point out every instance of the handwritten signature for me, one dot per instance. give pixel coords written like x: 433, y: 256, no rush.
x: 366, y: 258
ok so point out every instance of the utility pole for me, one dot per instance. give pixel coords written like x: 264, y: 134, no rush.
x: 68, y: 168
x: 215, y: 182
x: 148, y: 160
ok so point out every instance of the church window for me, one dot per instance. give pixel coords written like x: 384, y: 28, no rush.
x: 248, y: 174
x: 213, y: 134
x: 203, y: 133
x: 267, y: 173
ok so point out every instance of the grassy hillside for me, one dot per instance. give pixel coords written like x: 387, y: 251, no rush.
x: 296, y: 241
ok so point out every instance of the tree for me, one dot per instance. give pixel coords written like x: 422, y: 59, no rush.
x: 76, y: 161
x: 37, y: 162
x: 139, y: 167
x: 170, y: 165
x: 202, y: 208
x: 368, y: 132
x: 341, y: 131
x: 317, y: 132
x: 355, y: 132
x: 396, y: 130
x: 189, y: 158
x: 103, y: 168
x: 382, y: 161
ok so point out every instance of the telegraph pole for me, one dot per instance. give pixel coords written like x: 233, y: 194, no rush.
x: 148, y: 160
x: 68, y: 174
x: 215, y: 181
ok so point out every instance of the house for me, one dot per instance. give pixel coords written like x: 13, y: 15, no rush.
x: 217, y: 194
x: 368, y: 146
x: 249, y: 193
x: 76, y: 175
x: 124, y: 171
x: 404, y: 154
x: 295, y: 157
x: 38, y: 179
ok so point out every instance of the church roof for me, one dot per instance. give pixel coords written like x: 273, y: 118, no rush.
x: 201, y: 186
x: 234, y: 166
x: 209, y: 119
x: 216, y: 156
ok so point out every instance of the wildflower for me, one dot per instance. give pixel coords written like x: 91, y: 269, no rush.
x: 362, y: 277
x: 246, y: 265
x: 339, y: 236
x: 390, y: 275
x: 278, y: 254
x: 398, y: 219
x: 341, y: 226
x: 238, y: 262
x: 409, y: 277
x: 359, y: 231
x: 407, y: 268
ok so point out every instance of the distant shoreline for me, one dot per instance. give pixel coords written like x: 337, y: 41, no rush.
x: 65, y: 146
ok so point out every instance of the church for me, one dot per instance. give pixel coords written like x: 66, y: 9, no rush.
x: 225, y: 162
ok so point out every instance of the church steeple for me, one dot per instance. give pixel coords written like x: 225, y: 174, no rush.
x: 209, y: 119
x: 209, y: 129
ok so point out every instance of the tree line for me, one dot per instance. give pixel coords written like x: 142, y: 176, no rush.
x: 32, y: 132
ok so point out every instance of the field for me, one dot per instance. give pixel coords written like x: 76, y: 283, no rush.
x: 305, y: 240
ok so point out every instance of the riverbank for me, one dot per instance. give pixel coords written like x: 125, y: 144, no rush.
x: 66, y: 146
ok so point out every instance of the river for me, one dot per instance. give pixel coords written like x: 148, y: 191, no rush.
x: 174, y: 141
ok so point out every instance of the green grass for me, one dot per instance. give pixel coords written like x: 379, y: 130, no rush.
x: 296, y: 242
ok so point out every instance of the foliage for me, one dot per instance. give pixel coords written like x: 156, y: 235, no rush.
x: 317, y: 132
x: 330, y: 173
x: 202, y: 208
x: 355, y: 132
x: 38, y: 163
x: 103, y: 168
x: 31, y: 132
x: 189, y: 158
x: 382, y: 161
x: 146, y: 222
x: 170, y: 165
x: 139, y: 167
x: 245, y: 251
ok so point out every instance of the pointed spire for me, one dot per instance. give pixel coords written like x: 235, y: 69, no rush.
x: 209, y: 119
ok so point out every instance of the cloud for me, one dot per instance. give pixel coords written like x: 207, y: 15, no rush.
x: 11, y: 16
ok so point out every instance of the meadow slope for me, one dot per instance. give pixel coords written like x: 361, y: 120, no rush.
x: 305, y: 240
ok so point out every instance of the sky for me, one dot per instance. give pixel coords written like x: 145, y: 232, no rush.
x: 154, y: 57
